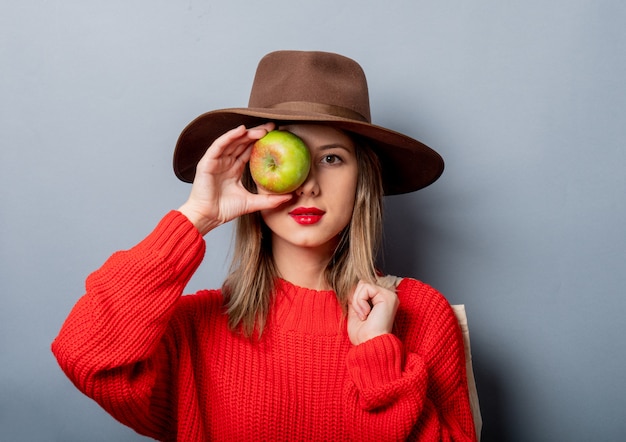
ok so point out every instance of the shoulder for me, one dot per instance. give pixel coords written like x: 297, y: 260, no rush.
x: 424, y: 312
x: 417, y: 295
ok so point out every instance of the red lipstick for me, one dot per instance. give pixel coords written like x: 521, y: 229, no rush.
x: 307, y: 215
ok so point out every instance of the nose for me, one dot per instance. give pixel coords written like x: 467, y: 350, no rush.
x: 310, y: 186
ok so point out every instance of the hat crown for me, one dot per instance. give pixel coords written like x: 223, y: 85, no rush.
x: 313, y: 77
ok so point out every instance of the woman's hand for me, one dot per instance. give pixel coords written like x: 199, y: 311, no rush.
x: 371, y: 312
x: 217, y: 194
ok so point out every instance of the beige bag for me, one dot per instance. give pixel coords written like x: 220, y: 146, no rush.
x: 459, y: 311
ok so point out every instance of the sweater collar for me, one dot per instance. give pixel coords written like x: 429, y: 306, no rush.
x: 305, y: 310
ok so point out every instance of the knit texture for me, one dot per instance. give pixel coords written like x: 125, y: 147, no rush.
x: 169, y: 367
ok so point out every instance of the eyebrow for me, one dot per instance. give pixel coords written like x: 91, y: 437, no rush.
x: 334, y: 146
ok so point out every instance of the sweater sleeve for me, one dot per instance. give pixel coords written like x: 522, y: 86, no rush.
x: 112, y: 345
x: 413, y: 382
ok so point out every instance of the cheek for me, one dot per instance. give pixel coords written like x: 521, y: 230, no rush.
x: 268, y: 216
x: 346, y: 197
x: 352, y: 186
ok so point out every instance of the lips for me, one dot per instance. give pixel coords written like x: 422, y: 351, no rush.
x: 307, y: 215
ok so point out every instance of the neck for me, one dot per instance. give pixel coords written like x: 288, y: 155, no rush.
x: 302, y: 266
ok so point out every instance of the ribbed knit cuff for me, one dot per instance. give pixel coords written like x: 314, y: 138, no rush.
x: 376, y: 362
x: 383, y: 374
x: 177, y: 241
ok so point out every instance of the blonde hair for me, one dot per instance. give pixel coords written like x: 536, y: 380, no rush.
x: 249, y: 285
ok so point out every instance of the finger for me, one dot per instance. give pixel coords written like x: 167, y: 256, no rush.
x: 229, y: 141
x: 268, y: 201
x: 353, y: 314
x: 253, y: 134
x: 369, y: 295
x: 246, y: 154
x: 249, y: 136
x: 239, y: 141
x: 263, y: 128
x: 238, y: 137
x: 241, y: 152
x: 360, y: 301
x: 364, y: 302
x: 220, y: 145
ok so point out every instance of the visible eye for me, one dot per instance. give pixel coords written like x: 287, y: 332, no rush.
x: 331, y: 159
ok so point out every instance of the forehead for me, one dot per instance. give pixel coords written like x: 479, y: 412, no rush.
x: 319, y: 135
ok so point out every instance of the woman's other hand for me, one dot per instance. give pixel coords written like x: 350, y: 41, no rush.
x: 217, y: 193
x: 371, y: 312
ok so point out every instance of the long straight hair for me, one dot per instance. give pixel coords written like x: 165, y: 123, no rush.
x: 249, y: 285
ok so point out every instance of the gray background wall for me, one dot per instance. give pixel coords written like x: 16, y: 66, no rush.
x: 524, y: 99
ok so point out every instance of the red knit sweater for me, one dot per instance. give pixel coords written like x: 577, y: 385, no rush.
x: 169, y: 366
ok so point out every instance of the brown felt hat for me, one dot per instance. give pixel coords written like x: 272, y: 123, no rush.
x: 302, y: 86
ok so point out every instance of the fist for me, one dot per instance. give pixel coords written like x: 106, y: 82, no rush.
x: 371, y: 312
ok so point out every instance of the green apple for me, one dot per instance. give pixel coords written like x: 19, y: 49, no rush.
x: 280, y: 162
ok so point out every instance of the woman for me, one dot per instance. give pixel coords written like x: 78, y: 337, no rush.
x: 304, y: 341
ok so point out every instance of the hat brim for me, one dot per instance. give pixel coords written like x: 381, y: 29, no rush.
x: 407, y: 164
